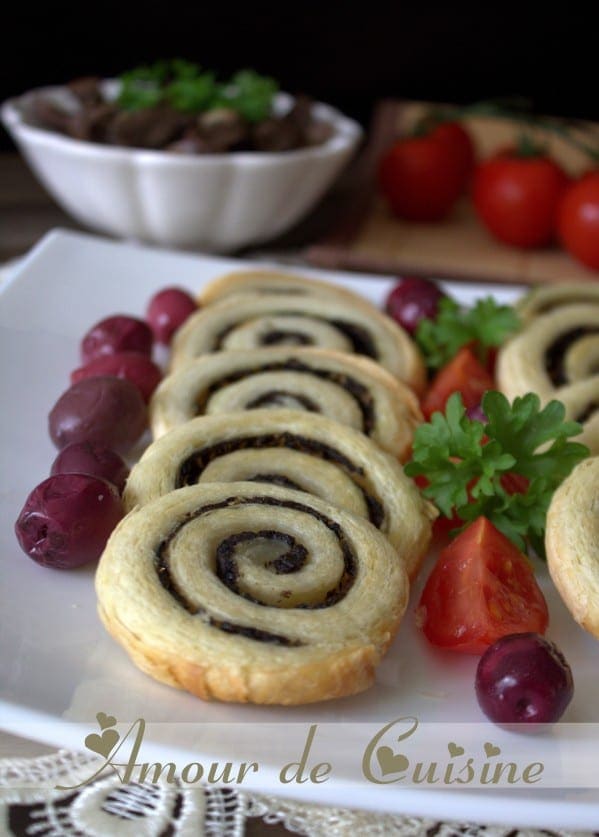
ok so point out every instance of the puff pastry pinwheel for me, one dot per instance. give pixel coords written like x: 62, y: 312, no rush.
x: 251, y: 593
x: 557, y: 356
x: 546, y: 298
x: 255, y: 321
x: 572, y: 543
x: 297, y: 450
x: 262, y: 281
x: 350, y: 389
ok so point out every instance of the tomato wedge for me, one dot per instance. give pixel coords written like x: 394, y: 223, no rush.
x: 465, y: 374
x: 481, y: 588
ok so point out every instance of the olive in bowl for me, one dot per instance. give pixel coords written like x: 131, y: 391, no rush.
x: 217, y: 202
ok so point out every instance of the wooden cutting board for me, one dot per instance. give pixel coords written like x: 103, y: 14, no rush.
x: 369, y: 238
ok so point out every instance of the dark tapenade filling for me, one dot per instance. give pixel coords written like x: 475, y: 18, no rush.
x: 279, y: 398
x: 358, y: 391
x: 362, y: 342
x: 588, y: 411
x: 161, y: 563
x: 359, y: 337
x: 192, y: 467
x: 275, y: 479
x: 555, y: 353
x: 286, y: 338
x: 255, y: 633
x: 287, y: 562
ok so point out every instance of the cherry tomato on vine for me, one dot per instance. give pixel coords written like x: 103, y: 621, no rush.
x: 517, y: 195
x: 578, y: 222
x: 423, y: 176
x: 455, y: 135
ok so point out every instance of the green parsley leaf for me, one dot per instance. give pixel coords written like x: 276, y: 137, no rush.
x: 138, y: 97
x: 185, y: 87
x: 193, y: 94
x: 464, y: 461
x: 141, y: 88
x: 155, y: 74
x: 180, y: 69
x: 250, y: 94
x: 487, y: 324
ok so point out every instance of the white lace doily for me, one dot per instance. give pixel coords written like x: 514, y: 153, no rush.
x: 107, y: 808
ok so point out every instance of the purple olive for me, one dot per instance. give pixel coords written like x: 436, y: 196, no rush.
x: 167, y: 311
x: 107, y: 410
x: 114, y: 335
x: 67, y: 519
x: 413, y: 300
x: 523, y: 678
x: 132, y: 366
x: 93, y: 459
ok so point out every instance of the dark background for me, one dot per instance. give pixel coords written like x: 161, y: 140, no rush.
x: 348, y: 55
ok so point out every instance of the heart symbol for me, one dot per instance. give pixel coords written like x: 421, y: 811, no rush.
x: 104, y: 743
x: 490, y: 750
x: 105, y: 720
x: 455, y: 749
x: 391, y: 762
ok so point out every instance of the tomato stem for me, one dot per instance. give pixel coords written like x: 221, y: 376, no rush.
x: 527, y: 146
x: 519, y: 110
x: 430, y: 120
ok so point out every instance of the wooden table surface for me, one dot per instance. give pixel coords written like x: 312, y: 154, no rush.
x: 27, y: 212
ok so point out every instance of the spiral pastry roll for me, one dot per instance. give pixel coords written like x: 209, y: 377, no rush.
x: 251, y: 593
x: 298, y: 450
x: 256, y: 321
x: 273, y: 282
x: 572, y: 543
x: 543, y: 299
x: 350, y: 389
x: 557, y: 356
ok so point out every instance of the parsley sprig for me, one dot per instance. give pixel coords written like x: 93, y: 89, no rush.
x: 487, y: 324
x: 186, y: 87
x: 250, y: 94
x: 464, y: 461
x: 192, y: 94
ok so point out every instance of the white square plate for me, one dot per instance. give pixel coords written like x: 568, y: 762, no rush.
x: 57, y: 663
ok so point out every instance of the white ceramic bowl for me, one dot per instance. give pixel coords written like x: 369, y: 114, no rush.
x: 215, y: 202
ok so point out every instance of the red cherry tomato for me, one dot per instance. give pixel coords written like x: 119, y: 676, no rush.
x: 423, y: 176
x: 465, y: 374
x: 481, y: 588
x: 457, y: 137
x: 578, y: 221
x: 517, y: 198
